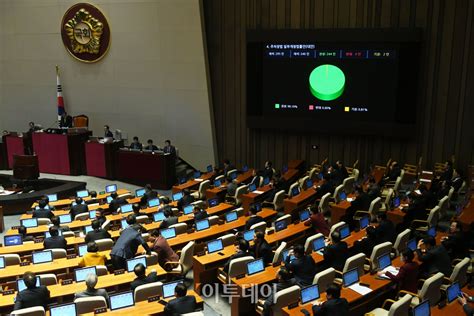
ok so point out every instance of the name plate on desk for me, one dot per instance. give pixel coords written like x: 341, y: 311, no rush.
x: 8, y: 292
x: 100, y: 310
x: 293, y: 305
x: 201, y: 253
x: 24, y: 263
x: 38, y: 240
x: 240, y: 276
x: 15, y: 227
x: 153, y: 298
x: 66, y: 282
x: 118, y: 272
x: 71, y: 256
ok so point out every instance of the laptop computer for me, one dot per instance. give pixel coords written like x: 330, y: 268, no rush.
x: 319, y: 244
x: 109, y: 199
x: 2, y: 262
x: 182, y: 180
x: 154, y: 202
x: 209, y: 168
x: 411, y: 244
x: 131, y: 263
x: 92, y: 214
x: 52, y: 197
x: 304, y: 215
x: 188, y: 209
x: 396, y: 202
x: 233, y: 175
x: 202, y: 224
x: 88, y: 229
x: 63, y: 310
x: 422, y: 309
x: 342, y: 196
x: 284, y: 169
x: 257, y: 206
x: 280, y: 225
x: 111, y: 188
x: 384, y: 261
x: 168, y: 288
x: 213, y: 202
x: 159, y: 216
x: 177, y: 196
x: 350, y: 277
x: 140, y: 192
x: 295, y: 191
x: 197, y: 174
x: 65, y: 218
x: 309, y: 183
x: 252, y: 187
x: 266, y: 181
x: 12, y: 240
x: 82, y: 193
x: 82, y: 250
x: 255, y: 266
x: 453, y: 292
x: 126, y: 208
x: 217, y: 183
x: 168, y: 233
x: 245, y: 168
x: 344, y: 231
x: 215, y: 246
x: 81, y: 274
x: 20, y: 284
x: 29, y: 222
x: 231, y: 216
x: 248, y: 234
x: 121, y: 300
x: 309, y: 293
x: 42, y: 256
x: 363, y: 222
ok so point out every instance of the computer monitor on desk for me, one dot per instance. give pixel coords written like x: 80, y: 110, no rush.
x: 350, y: 277
x: 344, y: 231
x: 309, y: 293
x: 422, y: 309
x: 121, y: 300
x: 215, y: 246
x: 255, y: 266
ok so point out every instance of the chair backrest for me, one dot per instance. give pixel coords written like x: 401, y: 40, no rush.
x: 180, y: 228
x: 48, y: 279
x: 379, y: 250
x: 278, y: 200
x: 81, y: 216
x: 238, y: 266
x: 262, y: 226
x: 459, y: 273
x: 302, y: 182
x: 348, y: 184
x: 230, y: 172
x: 308, y: 244
x: 401, y: 306
x: 312, y: 172
x: 431, y: 289
x: 387, y: 198
x: 104, y: 244
x: 335, y: 227
x: 68, y: 233
x: 443, y: 206
x: 142, y: 219
x: 294, y: 185
x: 11, y: 259
x: 80, y: 121
x: 398, y: 182
x: 375, y: 207
x: 88, y: 304
x: 151, y: 259
x: 30, y: 311
x: 193, y: 314
x: 337, y: 192
x: 44, y: 221
x: 401, y: 241
x: 284, y: 298
x: 324, y: 203
x: 213, y: 219
x: 143, y: 292
x: 239, y: 210
x: 221, y: 178
x: 106, y: 224
x: 355, y: 174
x: 324, y: 278
x: 450, y: 193
x: 58, y: 253
x: 228, y: 239
x: 239, y: 192
x: 186, y: 258
x: 286, y: 218
x: 206, y: 184
x: 356, y: 261
x: 277, y: 256
x: 101, y: 270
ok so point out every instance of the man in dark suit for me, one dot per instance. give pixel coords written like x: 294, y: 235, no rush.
x: 434, y: 259
x: 136, y: 210
x: 169, y: 149
x: 79, y: 208
x: 182, y: 304
x: 255, y: 179
x: 335, y: 254
x: 96, y: 233
x: 65, y: 121
x: 199, y: 213
x: 170, y: 219
x: 334, y: 305
x: 455, y: 242
x: 186, y: 199
x: 242, y: 251
x: 42, y: 211
x: 150, y: 145
x: 267, y: 171
x: 227, y: 167
x: 386, y: 229
x: 56, y: 222
x: 253, y: 219
x: 231, y: 187
x: 100, y: 216
x: 93, y: 198
x: 284, y: 281
x: 150, y: 193
x: 32, y: 295
x: 360, y: 203
x: 303, y: 266
x: 261, y: 248
x: 55, y: 241
x: 366, y: 244
x: 448, y: 171
x: 116, y: 202
x: 142, y: 278
x: 107, y: 132
x: 325, y: 187
x: 457, y: 180
x: 136, y: 144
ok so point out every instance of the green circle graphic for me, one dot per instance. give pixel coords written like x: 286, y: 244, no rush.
x: 327, y: 82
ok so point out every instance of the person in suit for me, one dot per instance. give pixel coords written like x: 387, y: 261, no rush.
x: 284, y: 281
x: 170, y: 219
x: 261, y: 248
x: 342, y: 170
x: 457, y: 180
x: 186, y: 199
x: 33, y: 295
x: 127, y: 244
x: 97, y: 232
x: 93, y: 198
x: 116, y: 202
x: 326, y: 186
x: 447, y: 174
x: 334, y: 305
x: 386, y: 229
x: 150, y: 145
x: 136, y: 145
x: 79, y: 208
x: 434, y: 259
x: 360, y: 203
x: 336, y: 253
x: 231, y: 186
x: 55, y: 241
x: 267, y: 171
x: 22, y: 230
x: 42, y: 211
x: 107, y: 132
x: 407, y: 276
x: 318, y: 222
x: 169, y: 149
x: 142, y: 278
x: 455, y: 241
x: 303, y: 266
x: 32, y: 127
x: 56, y: 222
x: 227, y: 167
x: 162, y: 248
x: 468, y: 310
x: 100, y: 216
x: 394, y: 172
x: 92, y: 257
x: 65, y: 121
x: 242, y: 251
x: 182, y: 304
x: 150, y: 193
x: 365, y: 245
x: 253, y: 219
x: 91, y: 282
x: 136, y: 210
x: 255, y: 179
x: 199, y: 213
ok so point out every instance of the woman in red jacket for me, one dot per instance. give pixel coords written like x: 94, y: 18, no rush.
x: 407, y: 276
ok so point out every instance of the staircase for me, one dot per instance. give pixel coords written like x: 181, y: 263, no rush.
x: 183, y: 169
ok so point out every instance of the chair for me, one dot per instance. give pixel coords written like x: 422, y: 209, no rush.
x: 88, y: 304
x: 431, y: 221
x: 302, y: 182
x: 58, y: 253
x: 324, y: 206
x: 236, y: 199
x: 373, y: 209
x: 228, y: 240
x: 185, y: 261
x: 312, y: 172
x: 355, y: 174
x: 348, y: 185
x: 277, y: 202
x: 337, y: 193
x: 294, y: 185
x: 80, y: 121
x: 230, y: 172
x: 106, y: 224
x: 336, y: 226
x: 401, y: 242
x: 30, y: 311
x: 236, y: 267
x: 48, y: 279
x: 278, y: 252
x: 282, y: 299
x: 443, y: 206
x: 11, y: 259
x: 44, y: 221
x: 104, y: 244
x: 201, y: 192
x: 239, y: 210
x: 213, y: 220
x: 429, y: 291
x: 142, y: 219
x: 81, y: 216
x: 143, y: 292
x: 355, y: 261
x: 101, y: 270
x: 286, y: 218
x: 324, y: 278
x: 180, y: 228
x: 308, y: 244
x: 386, y: 203
x: 459, y: 273
x: 68, y: 233
x: 397, y: 308
x: 378, y: 250
x: 262, y: 226
x: 220, y: 178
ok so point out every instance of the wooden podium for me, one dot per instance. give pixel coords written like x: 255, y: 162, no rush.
x: 25, y: 167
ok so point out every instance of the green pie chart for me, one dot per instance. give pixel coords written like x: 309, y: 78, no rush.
x: 327, y: 82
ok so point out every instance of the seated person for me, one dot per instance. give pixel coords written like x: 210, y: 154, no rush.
x: 182, y: 304
x: 55, y: 241
x: 360, y: 203
x: 169, y: 149
x: 91, y: 282
x: 136, y: 144
x: 93, y: 198
x: 97, y: 232
x: 46, y: 198
x: 318, y: 222
x: 170, y: 219
x: 150, y: 145
x: 231, y: 186
x: 336, y: 253
x: 394, y: 172
x: 334, y: 305
x: 303, y: 266
x: 199, y: 213
x: 162, y: 248
x: 32, y: 295
x: 267, y: 171
x: 186, y: 199
x: 107, y: 132
x: 253, y: 219
x: 42, y: 211
x: 79, y: 208
x: 150, y: 193
x: 367, y: 244
x: 242, y: 251
x: 407, y: 277
x: 261, y: 248
x: 386, y: 229
x: 284, y: 281
x: 455, y: 242
x: 434, y: 258
x: 468, y: 310
x: 56, y: 222
x: 255, y: 179
x: 100, y: 216
x: 22, y: 230
x: 116, y: 202
x: 92, y: 257
x: 142, y: 278
x: 136, y: 210
x: 325, y: 186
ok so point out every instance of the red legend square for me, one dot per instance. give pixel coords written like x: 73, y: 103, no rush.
x: 311, y: 107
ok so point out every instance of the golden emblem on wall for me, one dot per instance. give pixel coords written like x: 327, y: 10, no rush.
x: 85, y: 32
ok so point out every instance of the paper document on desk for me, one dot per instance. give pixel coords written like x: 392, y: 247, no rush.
x: 198, y: 179
x: 6, y: 192
x: 425, y: 180
x: 390, y: 269
x: 257, y: 192
x: 362, y: 290
x: 350, y: 199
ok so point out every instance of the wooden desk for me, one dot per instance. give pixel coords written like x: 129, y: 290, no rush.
x: 193, y: 184
x: 467, y: 215
x: 453, y: 308
x: 101, y: 158
x: 221, y: 191
x: 338, y: 210
x: 249, y: 198
x: 299, y: 201
x: 296, y: 164
x: 291, y: 231
x: 396, y: 216
x: 290, y: 175
x: 67, y: 202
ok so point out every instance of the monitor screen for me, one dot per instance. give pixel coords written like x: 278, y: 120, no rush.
x: 304, y: 215
x: 177, y: 196
x: 29, y: 222
x: 188, y: 209
x: 64, y: 219
x: 309, y: 293
x: 422, y: 309
x: 384, y: 261
x: 21, y: 284
x: 123, y: 223
x: 92, y: 214
x: 233, y: 175
x: 2, y: 262
x: 209, y: 168
x: 203, y: 224
x: 168, y: 288
x: 88, y: 229
x: 252, y: 187
x: 121, y: 300
x: 140, y: 192
x: 344, y: 231
x: 47, y: 234
x: 396, y: 202
x: 52, y: 197
x: 81, y: 274
x: 215, y: 245
x: 42, y: 256
x: 109, y: 199
x: 285, y: 255
x: 318, y: 244
x: 63, y: 310
x: 82, y: 250
x: 295, y: 191
x: 266, y: 181
x: 160, y: 216
x: 412, y: 244
x: 168, y: 233
x: 127, y: 208
x: 432, y: 232
x: 342, y: 196
x: 197, y: 174
x: 217, y: 183
x: 231, y: 216
x: 255, y: 266
x: 309, y: 183
x: 82, y: 194
x: 364, y: 222
x: 111, y: 188
x: 131, y: 263
x: 453, y: 292
x: 280, y: 225
x: 248, y: 234
x: 153, y: 202
x: 12, y: 240
x: 245, y: 168
x: 213, y: 202
x: 257, y: 206
x: 350, y: 277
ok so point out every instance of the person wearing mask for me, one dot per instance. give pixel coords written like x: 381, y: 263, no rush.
x: 42, y: 211
x: 367, y: 244
x: 162, y: 248
x: 407, y: 276
x: 22, y: 230
x: 97, y: 232
x: 434, y: 258
x: 336, y: 253
x: 303, y: 266
x: 150, y: 146
x: 318, y: 222
x: 142, y: 278
x: 241, y: 251
x: 170, y: 219
x: 253, y: 219
x: 55, y: 241
x: 284, y: 281
x: 79, y: 208
x: 107, y: 132
x: 116, y: 202
x: 169, y: 149
x: 33, y: 295
x: 182, y: 304
x: 136, y: 145
x: 91, y: 282
x: 334, y: 304
x: 92, y: 257
x: 199, y: 213
x: 261, y: 248
x: 386, y: 229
